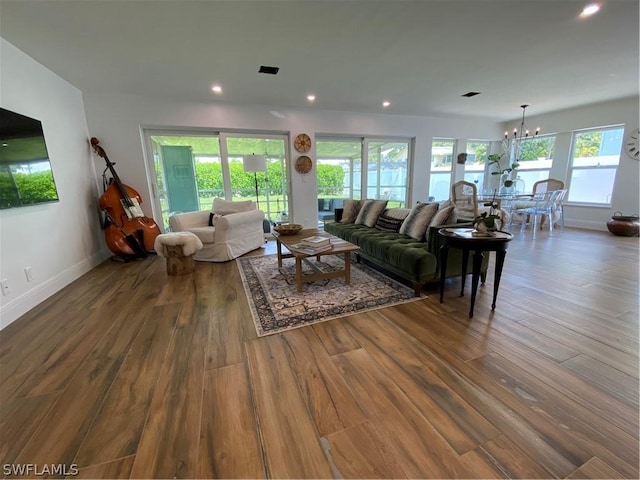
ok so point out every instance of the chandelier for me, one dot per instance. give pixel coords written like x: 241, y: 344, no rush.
x: 512, y: 144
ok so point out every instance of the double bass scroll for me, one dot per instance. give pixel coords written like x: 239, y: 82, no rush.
x: 128, y: 232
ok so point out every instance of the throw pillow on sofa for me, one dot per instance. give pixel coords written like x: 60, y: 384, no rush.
x: 350, y: 211
x: 388, y: 224
x: 417, y: 222
x: 370, y: 211
x: 445, y: 216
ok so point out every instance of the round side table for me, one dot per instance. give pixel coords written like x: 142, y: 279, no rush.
x: 464, y: 239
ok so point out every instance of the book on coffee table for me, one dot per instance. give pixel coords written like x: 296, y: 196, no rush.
x: 316, y: 241
x: 301, y: 247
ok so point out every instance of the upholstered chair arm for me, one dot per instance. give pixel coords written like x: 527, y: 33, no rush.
x: 181, y: 222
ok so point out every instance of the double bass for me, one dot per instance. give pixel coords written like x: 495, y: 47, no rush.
x: 128, y: 233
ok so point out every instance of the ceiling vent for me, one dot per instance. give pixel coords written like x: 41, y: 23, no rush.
x: 471, y: 94
x: 269, y: 70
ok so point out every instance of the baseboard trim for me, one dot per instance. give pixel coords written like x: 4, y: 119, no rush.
x: 17, y: 307
x: 586, y: 224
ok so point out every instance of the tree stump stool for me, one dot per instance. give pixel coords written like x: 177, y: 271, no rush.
x: 178, y: 248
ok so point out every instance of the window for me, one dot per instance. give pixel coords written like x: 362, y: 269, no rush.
x: 477, y: 151
x: 442, y: 153
x: 594, y: 162
x: 536, y: 159
x: 340, y: 169
x: 191, y: 170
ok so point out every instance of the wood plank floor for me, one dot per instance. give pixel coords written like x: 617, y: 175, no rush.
x: 129, y: 373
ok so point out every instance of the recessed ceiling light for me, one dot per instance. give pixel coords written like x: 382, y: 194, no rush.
x: 217, y: 89
x: 311, y: 98
x: 386, y: 103
x: 590, y: 9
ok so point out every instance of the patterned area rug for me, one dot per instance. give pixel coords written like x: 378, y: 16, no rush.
x: 277, y: 306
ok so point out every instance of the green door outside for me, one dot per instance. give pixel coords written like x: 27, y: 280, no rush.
x: 180, y: 178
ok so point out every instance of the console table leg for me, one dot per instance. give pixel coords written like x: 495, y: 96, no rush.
x: 500, y: 255
x: 477, y: 264
x: 444, y: 254
x: 465, y: 260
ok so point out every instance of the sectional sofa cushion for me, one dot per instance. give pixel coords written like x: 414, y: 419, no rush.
x: 416, y: 223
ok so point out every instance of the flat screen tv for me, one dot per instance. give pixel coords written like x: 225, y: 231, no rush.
x: 26, y: 177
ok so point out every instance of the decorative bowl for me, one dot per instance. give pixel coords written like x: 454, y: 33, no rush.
x: 288, y: 228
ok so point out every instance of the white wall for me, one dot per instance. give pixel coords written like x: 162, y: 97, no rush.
x: 118, y: 119
x: 60, y: 241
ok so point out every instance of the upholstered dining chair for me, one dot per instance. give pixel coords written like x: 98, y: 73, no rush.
x: 547, y: 185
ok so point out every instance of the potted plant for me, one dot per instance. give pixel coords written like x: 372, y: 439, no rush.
x: 505, y: 173
x: 488, y: 221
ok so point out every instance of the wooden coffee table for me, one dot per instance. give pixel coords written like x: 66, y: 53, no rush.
x: 338, y: 246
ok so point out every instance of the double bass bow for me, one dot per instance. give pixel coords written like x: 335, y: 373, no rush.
x: 128, y: 233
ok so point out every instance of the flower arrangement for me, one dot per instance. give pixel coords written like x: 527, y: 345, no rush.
x: 494, y: 160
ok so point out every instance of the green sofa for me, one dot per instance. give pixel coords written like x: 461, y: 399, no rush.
x: 413, y: 260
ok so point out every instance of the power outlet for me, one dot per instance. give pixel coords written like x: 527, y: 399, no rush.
x: 4, y: 285
x: 28, y: 274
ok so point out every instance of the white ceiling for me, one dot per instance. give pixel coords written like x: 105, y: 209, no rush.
x: 420, y: 55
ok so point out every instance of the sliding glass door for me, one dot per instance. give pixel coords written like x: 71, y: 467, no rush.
x: 271, y: 191
x: 339, y: 167
x: 388, y: 162
x: 341, y: 174
x: 192, y: 169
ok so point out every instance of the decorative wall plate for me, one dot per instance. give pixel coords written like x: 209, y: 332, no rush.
x: 303, y: 164
x: 302, y: 143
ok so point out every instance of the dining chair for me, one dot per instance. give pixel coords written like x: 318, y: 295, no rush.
x: 465, y: 197
x: 547, y: 185
x: 543, y: 204
x: 539, y: 188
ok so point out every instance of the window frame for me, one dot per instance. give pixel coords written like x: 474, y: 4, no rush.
x: 364, y: 141
x: 221, y: 136
x: 571, y: 168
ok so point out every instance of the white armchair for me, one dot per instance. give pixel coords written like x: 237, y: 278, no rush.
x: 232, y: 235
